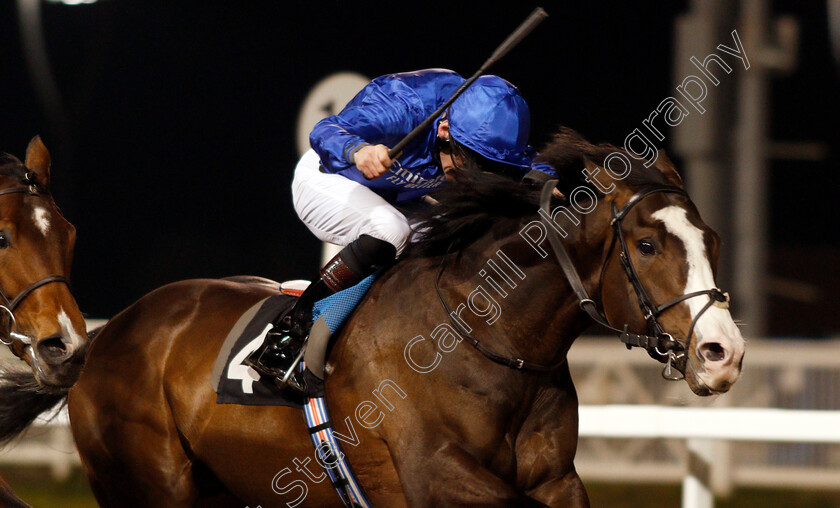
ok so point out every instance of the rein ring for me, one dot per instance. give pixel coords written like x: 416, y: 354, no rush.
x: 12, y: 325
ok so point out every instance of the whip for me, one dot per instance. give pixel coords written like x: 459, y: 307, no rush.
x: 531, y: 22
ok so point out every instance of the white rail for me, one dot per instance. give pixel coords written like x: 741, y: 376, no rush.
x: 732, y: 424
x: 703, y: 428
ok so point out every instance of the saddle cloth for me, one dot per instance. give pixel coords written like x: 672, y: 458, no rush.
x: 236, y: 383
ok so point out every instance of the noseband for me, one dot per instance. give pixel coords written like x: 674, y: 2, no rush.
x: 9, y: 305
x: 659, y: 344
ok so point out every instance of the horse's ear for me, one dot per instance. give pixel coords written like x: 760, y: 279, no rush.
x: 38, y: 160
x: 666, y: 167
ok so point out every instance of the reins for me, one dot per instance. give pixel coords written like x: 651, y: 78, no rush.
x: 514, y: 363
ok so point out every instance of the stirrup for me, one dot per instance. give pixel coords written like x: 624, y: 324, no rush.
x: 293, y: 378
x: 258, y: 361
x: 284, y: 375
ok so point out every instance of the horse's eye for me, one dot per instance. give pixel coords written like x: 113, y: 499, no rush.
x: 4, y: 240
x: 646, y: 247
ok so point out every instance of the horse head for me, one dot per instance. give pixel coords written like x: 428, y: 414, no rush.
x: 658, y: 261
x: 39, y: 318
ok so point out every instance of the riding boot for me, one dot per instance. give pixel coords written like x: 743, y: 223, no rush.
x: 282, y: 346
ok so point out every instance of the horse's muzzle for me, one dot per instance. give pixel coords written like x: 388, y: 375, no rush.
x: 719, y: 364
x: 58, y: 358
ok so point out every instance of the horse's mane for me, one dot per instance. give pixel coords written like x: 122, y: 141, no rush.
x: 466, y: 210
x: 470, y: 205
x: 568, y: 151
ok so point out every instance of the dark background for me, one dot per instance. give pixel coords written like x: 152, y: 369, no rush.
x: 177, y: 153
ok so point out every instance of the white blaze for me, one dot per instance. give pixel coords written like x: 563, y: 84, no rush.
x: 68, y: 332
x: 42, y: 219
x: 716, y: 323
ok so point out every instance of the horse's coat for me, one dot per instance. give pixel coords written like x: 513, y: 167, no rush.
x: 470, y: 432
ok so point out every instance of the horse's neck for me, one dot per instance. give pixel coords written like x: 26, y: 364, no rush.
x: 530, y: 309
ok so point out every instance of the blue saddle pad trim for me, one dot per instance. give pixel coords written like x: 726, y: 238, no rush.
x: 335, y: 308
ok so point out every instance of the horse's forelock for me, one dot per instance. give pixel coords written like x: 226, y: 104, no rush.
x: 11, y: 166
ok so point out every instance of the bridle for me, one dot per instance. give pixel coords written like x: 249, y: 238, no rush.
x: 659, y: 344
x: 8, y: 305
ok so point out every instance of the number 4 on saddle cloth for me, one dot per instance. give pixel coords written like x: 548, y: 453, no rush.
x: 235, y: 382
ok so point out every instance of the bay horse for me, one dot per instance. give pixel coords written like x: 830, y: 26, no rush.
x: 39, y: 318
x: 428, y: 419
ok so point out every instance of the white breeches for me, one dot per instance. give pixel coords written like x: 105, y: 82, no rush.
x: 338, y: 210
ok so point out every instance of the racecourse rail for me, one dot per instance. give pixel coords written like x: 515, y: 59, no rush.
x: 701, y: 427
x: 706, y: 432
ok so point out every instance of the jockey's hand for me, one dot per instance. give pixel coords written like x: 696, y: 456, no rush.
x: 373, y: 161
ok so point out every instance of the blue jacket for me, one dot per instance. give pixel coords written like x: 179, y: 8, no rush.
x: 383, y: 112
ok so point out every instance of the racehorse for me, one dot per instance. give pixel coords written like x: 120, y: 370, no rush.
x: 39, y: 318
x: 449, y: 381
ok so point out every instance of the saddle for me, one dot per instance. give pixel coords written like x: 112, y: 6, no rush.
x: 235, y: 382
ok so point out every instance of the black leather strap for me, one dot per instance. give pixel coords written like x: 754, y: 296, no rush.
x: 32, y: 287
x: 514, y: 363
x: 32, y: 189
x: 653, y: 343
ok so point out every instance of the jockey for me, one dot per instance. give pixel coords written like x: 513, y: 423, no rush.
x: 346, y: 186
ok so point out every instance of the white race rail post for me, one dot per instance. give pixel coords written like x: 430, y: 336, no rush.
x: 696, y: 486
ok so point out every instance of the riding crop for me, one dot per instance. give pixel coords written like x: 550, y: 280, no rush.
x: 531, y: 22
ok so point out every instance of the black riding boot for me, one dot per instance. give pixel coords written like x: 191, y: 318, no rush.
x: 282, y: 348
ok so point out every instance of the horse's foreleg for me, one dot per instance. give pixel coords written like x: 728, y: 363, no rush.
x: 566, y: 491
x: 452, y: 477
x: 546, y: 447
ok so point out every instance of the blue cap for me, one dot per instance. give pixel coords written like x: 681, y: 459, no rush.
x: 492, y: 119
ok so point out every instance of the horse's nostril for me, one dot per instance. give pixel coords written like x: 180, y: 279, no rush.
x: 712, y: 351
x: 53, y: 349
